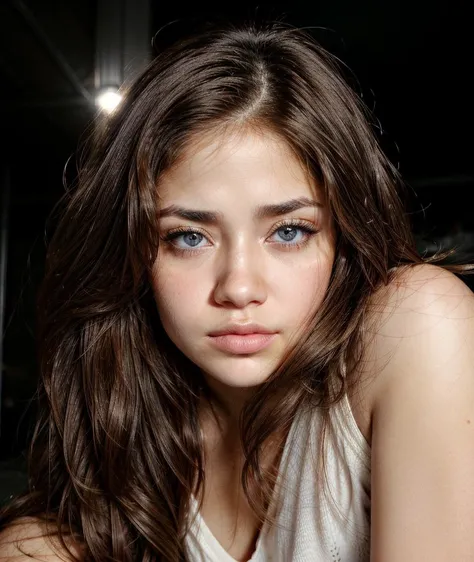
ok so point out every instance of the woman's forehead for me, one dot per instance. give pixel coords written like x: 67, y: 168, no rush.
x: 244, y: 159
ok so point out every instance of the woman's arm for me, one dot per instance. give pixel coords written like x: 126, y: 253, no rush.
x: 423, y: 422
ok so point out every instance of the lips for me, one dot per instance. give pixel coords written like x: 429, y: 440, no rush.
x: 241, y: 330
x: 242, y: 339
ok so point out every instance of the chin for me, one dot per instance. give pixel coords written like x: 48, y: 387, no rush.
x: 242, y: 382
x: 239, y: 376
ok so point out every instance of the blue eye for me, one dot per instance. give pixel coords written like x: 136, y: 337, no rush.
x: 192, y: 238
x: 189, y: 238
x: 292, y: 234
x: 288, y: 233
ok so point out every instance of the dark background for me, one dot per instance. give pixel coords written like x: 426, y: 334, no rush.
x: 412, y: 61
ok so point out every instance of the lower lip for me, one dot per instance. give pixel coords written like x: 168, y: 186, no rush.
x: 243, y: 344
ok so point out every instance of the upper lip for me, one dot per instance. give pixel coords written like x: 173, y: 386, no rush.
x: 242, y: 329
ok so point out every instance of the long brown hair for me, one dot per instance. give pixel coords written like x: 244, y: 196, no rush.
x: 117, y: 449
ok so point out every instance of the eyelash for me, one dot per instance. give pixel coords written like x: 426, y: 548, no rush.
x: 308, y: 230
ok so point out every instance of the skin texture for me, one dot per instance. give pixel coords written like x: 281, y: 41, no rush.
x: 242, y: 269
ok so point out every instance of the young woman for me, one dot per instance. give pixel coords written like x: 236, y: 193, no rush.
x: 243, y: 356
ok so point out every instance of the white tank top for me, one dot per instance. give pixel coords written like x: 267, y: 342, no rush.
x: 311, y: 526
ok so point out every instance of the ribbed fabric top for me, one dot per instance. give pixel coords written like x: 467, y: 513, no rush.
x: 311, y: 525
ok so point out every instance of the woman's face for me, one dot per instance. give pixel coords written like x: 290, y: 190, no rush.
x: 245, y: 239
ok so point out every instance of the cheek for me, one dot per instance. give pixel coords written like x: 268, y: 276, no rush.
x: 305, y: 294
x: 176, y: 295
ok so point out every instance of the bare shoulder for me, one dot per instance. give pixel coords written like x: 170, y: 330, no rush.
x: 413, y: 288
x: 422, y: 308
x: 27, y: 540
x: 417, y: 299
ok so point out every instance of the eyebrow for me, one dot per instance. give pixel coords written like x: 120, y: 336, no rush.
x: 262, y: 212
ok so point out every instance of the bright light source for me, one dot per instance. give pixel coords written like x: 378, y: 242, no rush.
x: 108, y: 99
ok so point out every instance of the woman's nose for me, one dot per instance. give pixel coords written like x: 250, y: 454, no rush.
x: 241, y: 279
